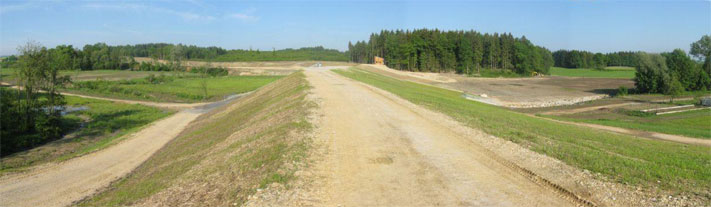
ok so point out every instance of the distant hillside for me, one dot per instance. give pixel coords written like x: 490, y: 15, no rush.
x: 191, y: 52
x: 301, y: 54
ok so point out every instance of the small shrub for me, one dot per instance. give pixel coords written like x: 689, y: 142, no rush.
x: 153, y: 79
x: 622, y: 91
x: 214, y: 72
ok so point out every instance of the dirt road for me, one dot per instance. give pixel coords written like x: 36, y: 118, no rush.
x: 589, y: 108
x: 63, y: 183
x: 146, y: 103
x: 382, y: 152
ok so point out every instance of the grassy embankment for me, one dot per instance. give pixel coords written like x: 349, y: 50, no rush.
x: 624, y: 159
x: 172, y: 89
x: 691, y: 123
x: 608, y: 72
x: 102, y: 123
x: 227, y: 154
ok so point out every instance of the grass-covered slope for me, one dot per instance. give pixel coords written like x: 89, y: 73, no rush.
x: 172, y: 89
x: 225, y: 155
x: 625, y: 159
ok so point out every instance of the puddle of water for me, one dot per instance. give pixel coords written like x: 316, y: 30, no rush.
x: 209, y: 107
x: 64, y: 110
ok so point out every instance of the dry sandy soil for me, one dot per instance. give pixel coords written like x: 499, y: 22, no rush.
x: 60, y: 184
x: 376, y: 149
x: 516, y: 92
x: 380, y: 150
x: 396, y: 157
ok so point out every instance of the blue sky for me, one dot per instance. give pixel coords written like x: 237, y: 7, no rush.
x: 598, y: 26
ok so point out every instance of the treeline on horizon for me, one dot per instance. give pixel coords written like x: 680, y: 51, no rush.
x: 585, y: 59
x: 464, y: 52
x: 668, y: 72
x: 103, y: 56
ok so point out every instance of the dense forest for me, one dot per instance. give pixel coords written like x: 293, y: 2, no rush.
x: 585, y: 59
x: 464, y: 52
x: 102, y: 56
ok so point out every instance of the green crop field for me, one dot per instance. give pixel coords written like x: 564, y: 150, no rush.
x: 622, y: 158
x: 612, y: 72
x: 101, y: 124
x: 172, y: 89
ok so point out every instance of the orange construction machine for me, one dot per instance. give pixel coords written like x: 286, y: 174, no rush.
x: 378, y: 60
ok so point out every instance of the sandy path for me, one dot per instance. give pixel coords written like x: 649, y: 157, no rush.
x: 147, y: 103
x: 383, y: 153
x: 639, y: 133
x: 63, y: 183
x: 590, y: 108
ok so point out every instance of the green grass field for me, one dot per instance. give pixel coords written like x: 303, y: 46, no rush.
x: 690, y: 123
x: 622, y: 158
x: 186, y: 89
x: 104, y: 123
x: 610, y: 72
x: 246, y: 145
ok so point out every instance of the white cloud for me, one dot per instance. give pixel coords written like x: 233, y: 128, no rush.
x: 245, y: 16
x: 185, y: 15
x: 16, y: 7
x: 141, y: 7
x: 115, y: 6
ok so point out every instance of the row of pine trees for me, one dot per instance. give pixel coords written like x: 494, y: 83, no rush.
x: 464, y: 52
